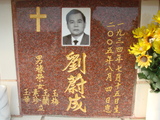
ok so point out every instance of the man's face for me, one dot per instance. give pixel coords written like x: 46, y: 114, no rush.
x: 76, y: 24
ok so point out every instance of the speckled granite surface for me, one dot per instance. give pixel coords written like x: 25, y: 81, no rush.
x: 103, y: 79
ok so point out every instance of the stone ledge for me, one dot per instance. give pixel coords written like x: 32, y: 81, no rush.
x: 67, y: 118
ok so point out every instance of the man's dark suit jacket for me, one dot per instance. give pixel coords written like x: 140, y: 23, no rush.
x: 67, y: 40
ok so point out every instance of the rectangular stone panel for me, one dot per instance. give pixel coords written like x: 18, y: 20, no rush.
x: 96, y: 79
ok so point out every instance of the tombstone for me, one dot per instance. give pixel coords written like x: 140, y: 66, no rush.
x: 93, y: 79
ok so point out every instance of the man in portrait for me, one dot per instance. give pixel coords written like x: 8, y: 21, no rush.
x: 76, y: 23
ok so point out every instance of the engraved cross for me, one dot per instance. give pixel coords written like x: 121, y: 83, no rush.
x: 38, y: 16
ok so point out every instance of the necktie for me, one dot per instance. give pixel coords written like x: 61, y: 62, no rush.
x: 75, y: 42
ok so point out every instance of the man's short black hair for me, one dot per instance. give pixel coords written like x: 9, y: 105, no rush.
x: 75, y: 11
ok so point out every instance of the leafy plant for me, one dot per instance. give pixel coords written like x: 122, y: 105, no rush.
x: 147, y: 52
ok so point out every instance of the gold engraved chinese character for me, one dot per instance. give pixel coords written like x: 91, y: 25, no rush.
x: 54, y: 100
x: 39, y: 59
x: 76, y: 84
x: 55, y: 94
x: 39, y: 77
x: 109, y: 77
x: 110, y: 33
x: 118, y: 77
x: 109, y: 89
x: 45, y: 99
x: 109, y: 67
x: 108, y: 99
x: 119, y: 40
x: 109, y: 59
x: 117, y: 94
x: 119, y: 68
x: 40, y: 108
x: 75, y: 104
x: 117, y: 85
x: 118, y: 58
x: 75, y: 62
x: 109, y: 41
x: 26, y: 95
x: 120, y: 23
x: 109, y: 50
x: 26, y: 99
x: 110, y: 25
x: 40, y: 68
x: 116, y: 101
x: 108, y: 109
x: 119, y: 33
x: 116, y: 109
x: 40, y: 86
x: 119, y: 49
x: 35, y: 96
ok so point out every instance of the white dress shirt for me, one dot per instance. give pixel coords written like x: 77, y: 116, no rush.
x: 79, y: 39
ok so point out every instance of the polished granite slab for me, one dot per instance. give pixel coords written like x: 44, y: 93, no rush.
x: 97, y: 80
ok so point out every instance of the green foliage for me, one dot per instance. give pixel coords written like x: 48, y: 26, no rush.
x: 152, y: 74
x: 147, y: 52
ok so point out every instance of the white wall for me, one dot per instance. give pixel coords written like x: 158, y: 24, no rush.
x: 7, y: 61
x: 7, y: 56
